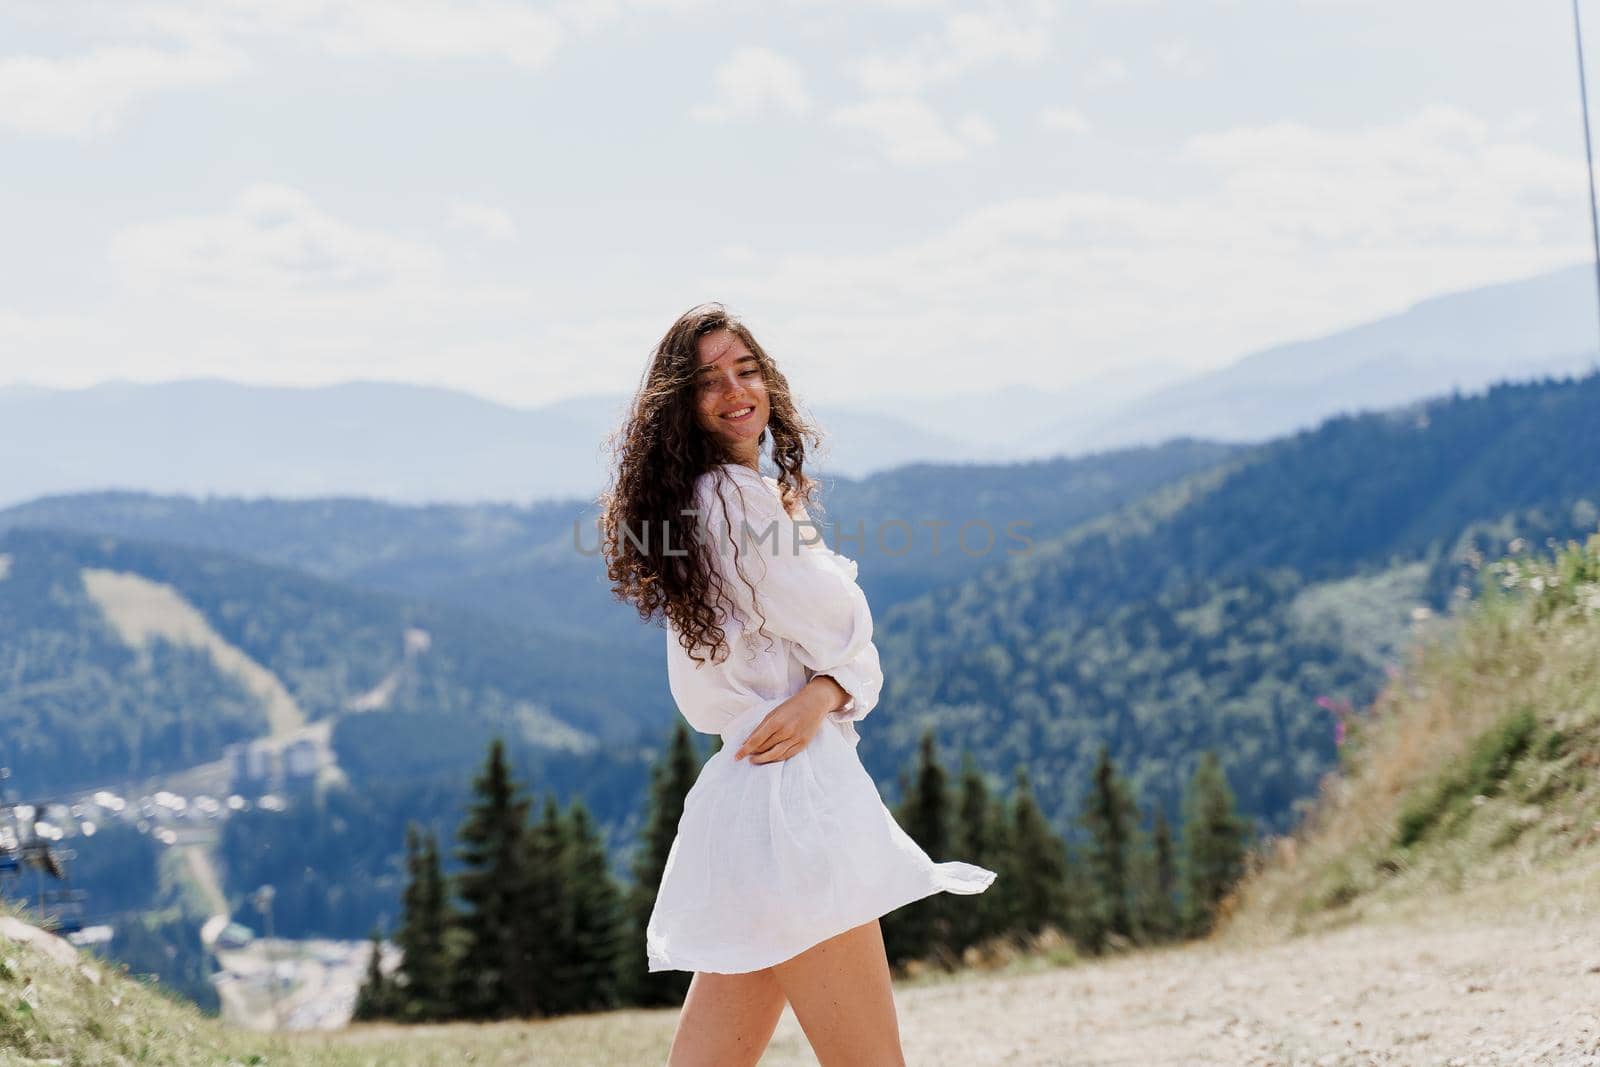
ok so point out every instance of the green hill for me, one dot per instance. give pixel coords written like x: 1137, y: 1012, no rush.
x: 1214, y: 613
x: 1475, y: 766
x: 95, y: 693
x: 129, y: 662
x: 519, y: 564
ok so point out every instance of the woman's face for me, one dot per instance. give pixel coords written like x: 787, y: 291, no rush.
x: 730, y: 395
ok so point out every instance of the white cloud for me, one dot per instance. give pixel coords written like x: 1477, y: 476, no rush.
x: 1180, y: 57
x: 26, y: 332
x: 85, y: 94
x: 975, y: 130
x: 752, y: 82
x: 1441, y: 175
x: 965, y: 41
x: 1239, y: 237
x: 273, y: 244
x: 1286, y: 231
x: 487, y: 221
x: 1106, y: 71
x: 912, y: 133
x: 277, y: 287
x: 204, y: 43
x: 412, y: 29
x: 1064, y: 120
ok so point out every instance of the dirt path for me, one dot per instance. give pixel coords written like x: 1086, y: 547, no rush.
x: 139, y: 609
x: 204, y: 875
x: 1491, y: 994
x: 1510, y: 975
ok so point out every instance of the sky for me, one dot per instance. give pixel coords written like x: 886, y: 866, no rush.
x: 900, y: 197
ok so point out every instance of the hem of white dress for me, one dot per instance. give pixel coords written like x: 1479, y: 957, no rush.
x: 951, y: 876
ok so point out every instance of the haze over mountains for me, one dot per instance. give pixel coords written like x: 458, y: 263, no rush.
x: 414, y: 443
x: 388, y: 440
x: 1171, y: 598
x: 1177, y: 599
x: 1519, y: 330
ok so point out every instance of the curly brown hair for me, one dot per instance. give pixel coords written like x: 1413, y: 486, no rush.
x: 659, y: 451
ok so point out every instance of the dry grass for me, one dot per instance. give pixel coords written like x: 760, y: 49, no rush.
x: 140, y: 610
x: 1415, y: 751
x: 97, y: 1018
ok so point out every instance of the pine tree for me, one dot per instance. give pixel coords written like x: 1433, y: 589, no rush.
x: 979, y: 837
x: 590, y: 970
x: 1035, y: 866
x: 544, y: 916
x: 1162, y: 917
x: 489, y: 885
x: 1150, y: 868
x: 424, y: 974
x: 1111, y: 818
x: 920, y: 930
x: 1081, y: 908
x: 670, y: 781
x: 1214, y: 843
x: 376, y: 997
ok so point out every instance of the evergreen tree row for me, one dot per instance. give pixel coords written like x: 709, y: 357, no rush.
x: 1122, y: 880
x: 534, y: 924
x: 530, y: 925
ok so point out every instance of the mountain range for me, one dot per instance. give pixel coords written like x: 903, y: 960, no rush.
x: 417, y: 444
x: 1174, y: 598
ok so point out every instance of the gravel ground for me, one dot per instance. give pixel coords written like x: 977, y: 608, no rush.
x: 1510, y: 975
x: 1507, y: 975
x: 1513, y: 993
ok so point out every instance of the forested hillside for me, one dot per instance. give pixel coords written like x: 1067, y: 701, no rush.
x: 540, y: 564
x: 324, y: 605
x: 1455, y: 848
x: 1235, y: 608
x: 81, y: 704
x: 1214, y: 613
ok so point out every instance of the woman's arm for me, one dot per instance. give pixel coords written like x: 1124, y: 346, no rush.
x: 799, y: 593
x: 790, y: 726
x: 831, y: 696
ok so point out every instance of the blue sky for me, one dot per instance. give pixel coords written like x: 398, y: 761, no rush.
x: 901, y: 197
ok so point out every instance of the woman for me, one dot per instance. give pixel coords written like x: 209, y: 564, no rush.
x: 785, y: 856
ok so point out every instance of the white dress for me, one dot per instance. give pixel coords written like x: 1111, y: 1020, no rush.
x: 771, y: 858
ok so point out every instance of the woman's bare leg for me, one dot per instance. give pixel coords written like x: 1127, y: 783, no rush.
x: 840, y: 992
x: 727, y: 1020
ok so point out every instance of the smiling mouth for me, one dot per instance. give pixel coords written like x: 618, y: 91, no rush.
x: 739, y: 415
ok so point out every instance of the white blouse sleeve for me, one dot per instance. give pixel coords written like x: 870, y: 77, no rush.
x: 801, y: 594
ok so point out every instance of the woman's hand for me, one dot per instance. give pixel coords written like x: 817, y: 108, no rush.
x: 790, y: 726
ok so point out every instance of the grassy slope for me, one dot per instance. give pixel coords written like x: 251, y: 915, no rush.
x: 117, y: 1020
x: 1475, y: 770
x: 50, y: 1012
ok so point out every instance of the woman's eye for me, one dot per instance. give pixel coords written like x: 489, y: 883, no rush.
x: 748, y: 373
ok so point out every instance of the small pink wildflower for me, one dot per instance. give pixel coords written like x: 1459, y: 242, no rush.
x: 1342, y: 710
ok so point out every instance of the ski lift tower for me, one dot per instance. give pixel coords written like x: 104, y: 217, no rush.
x: 21, y: 847
x: 1588, y: 152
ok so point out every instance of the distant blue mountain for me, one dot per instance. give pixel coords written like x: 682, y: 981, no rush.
x: 416, y: 444
x: 1517, y: 331
x: 388, y: 440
